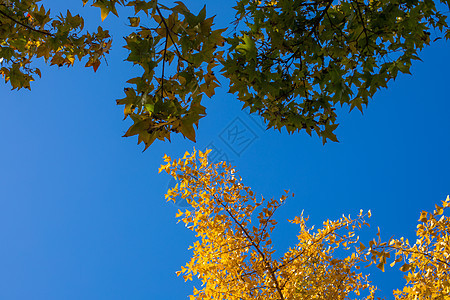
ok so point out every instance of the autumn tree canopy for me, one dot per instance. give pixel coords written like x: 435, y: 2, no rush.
x: 233, y: 256
x: 291, y: 61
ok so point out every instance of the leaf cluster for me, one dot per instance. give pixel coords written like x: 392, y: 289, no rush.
x: 291, y: 61
x: 28, y: 32
x: 234, y: 257
x: 427, y: 261
x: 181, y: 42
x: 297, y: 60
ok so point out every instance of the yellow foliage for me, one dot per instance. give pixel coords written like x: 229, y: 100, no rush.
x: 427, y: 261
x: 234, y: 257
x: 267, y: 3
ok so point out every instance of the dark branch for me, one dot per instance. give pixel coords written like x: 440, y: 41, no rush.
x: 256, y: 246
x: 170, y: 36
x: 319, y: 18
x: 164, y: 64
x: 25, y: 25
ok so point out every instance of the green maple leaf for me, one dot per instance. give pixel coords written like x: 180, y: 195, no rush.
x: 106, y: 7
x: 247, y: 47
x: 327, y: 133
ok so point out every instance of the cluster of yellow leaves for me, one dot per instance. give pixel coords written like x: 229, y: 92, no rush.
x: 267, y: 3
x: 233, y: 256
x: 427, y: 261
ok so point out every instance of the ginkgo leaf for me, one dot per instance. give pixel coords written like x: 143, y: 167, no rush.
x: 405, y: 268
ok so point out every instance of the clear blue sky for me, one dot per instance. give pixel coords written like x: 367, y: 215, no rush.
x: 82, y: 210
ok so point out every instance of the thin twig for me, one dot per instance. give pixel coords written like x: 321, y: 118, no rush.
x: 25, y: 25
x: 170, y: 36
x: 362, y: 23
x: 264, y: 229
x: 316, y: 241
x: 319, y: 19
x: 256, y: 246
x: 429, y: 256
x: 164, y: 64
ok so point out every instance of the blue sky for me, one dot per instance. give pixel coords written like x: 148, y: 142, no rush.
x: 82, y: 210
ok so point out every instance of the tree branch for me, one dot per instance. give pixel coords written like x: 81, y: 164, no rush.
x: 164, y: 64
x: 362, y: 23
x: 316, y: 241
x: 25, y: 25
x: 320, y: 17
x: 256, y: 246
x: 170, y: 36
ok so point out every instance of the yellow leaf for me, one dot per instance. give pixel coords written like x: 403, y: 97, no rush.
x: 361, y: 246
x: 405, y: 268
x: 439, y: 210
x: 423, y: 216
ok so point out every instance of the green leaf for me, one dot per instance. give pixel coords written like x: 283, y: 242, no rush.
x: 106, y: 7
x: 328, y: 133
x: 247, y: 47
x: 187, y: 128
